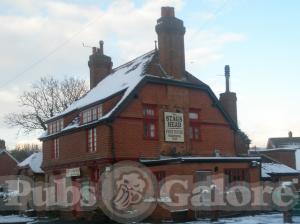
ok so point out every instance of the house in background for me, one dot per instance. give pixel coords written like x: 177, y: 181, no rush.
x: 278, y: 165
x: 285, y: 156
x: 284, y: 142
x: 8, y: 164
x: 281, y: 147
x: 31, y: 167
x: 153, y: 111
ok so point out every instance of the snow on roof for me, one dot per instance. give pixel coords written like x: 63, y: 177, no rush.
x: 74, y: 124
x: 273, y: 149
x: 268, y: 169
x: 123, y: 78
x: 286, y: 142
x: 34, y: 162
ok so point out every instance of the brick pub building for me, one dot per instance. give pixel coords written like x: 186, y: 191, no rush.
x: 124, y: 117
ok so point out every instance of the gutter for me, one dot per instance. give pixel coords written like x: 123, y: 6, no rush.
x: 112, y: 138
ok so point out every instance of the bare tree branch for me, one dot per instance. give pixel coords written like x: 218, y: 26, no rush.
x: 46, y: 98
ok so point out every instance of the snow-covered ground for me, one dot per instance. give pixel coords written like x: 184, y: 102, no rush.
x: 258, y: 219
x: 15, y: 219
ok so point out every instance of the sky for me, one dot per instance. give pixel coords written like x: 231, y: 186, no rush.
x: 258, y: 39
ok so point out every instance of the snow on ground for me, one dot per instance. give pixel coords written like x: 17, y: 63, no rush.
x: 258, y: 219
x: 15, y: 219
x: 276, y: 218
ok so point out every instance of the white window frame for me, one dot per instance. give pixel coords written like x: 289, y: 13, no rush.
x: 92, y: 140
x: 56, y: 148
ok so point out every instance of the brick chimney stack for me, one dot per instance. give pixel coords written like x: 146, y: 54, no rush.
x: 228, y: 99
x: 2, y: 144
x: 170, y: 32
x: 100, y: 65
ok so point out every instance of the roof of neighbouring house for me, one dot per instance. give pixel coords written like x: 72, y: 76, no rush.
x: 287, y: 142
x: 261, y: 150
x: 125, y: 80
x: 269, y: 169
x: 33, y: 162
x: 4, y: 151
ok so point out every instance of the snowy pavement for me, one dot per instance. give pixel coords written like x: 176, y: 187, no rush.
x: 15, y: 219
x: 258, y: 219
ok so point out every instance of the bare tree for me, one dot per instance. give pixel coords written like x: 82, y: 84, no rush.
x: 46, y: 98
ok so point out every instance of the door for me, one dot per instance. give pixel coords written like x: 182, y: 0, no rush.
x: 203, y: 178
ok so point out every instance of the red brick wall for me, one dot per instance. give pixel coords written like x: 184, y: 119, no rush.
x: 128, y: 129
x: 190, y: 170
x: 286, y: 157
x: 8, y: 166
x: 73, y: 147
x: 215, y: 132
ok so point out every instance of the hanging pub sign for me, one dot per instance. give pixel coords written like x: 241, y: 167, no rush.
x: 174, y: 127
x: 73, y: 172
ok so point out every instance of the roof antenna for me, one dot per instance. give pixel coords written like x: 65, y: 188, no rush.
x: 227, y: 76
x: 83, y: 45
x: 155, y: 42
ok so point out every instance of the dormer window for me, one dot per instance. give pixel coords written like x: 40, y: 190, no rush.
x: 91, y: 114
x: 55, y: 126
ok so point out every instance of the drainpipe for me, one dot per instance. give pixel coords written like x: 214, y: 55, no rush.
x: 113, y: 151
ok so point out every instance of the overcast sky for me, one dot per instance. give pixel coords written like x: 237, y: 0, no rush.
x: 258, y: 39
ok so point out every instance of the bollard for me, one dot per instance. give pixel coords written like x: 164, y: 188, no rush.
x: 287, y: 217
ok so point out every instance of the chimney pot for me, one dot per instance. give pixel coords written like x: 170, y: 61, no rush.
x: 170, y: 32
x: 290, y: 134
x: 100, y: 65
x: 94, y: 50
x: 2, y: 144
x: 167, y: 12
x: 101, y: 43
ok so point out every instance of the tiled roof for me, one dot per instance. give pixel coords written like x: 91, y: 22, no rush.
x: 125, y: 80
x: 288, y: 142
x: 268, y: 169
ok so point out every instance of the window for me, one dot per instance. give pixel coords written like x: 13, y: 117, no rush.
x: 235, y: 175
x: 150, y: 122
x: 56, y: 149
x: 194, y: 129
x: 95, y: 174
x: 160, y: 175
x: 92, y: 140
x: 91, y: 114
x: 55, y: 126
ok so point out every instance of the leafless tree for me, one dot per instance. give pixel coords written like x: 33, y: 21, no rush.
x: 46, y: 98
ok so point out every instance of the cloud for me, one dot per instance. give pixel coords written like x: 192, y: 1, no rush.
x: 45, y: 38
x: 205, y: 46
